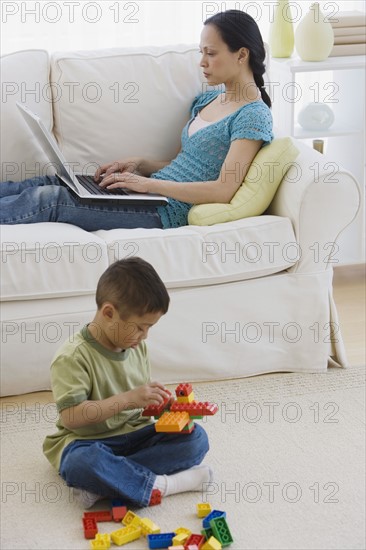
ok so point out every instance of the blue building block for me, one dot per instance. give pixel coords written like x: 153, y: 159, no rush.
x: 117, y: 502
x: 163, y: 540
x: 212, y: 515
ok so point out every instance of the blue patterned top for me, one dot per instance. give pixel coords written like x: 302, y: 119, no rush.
x: 203, y: 153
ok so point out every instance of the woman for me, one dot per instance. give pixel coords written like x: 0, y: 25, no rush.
x: 219, y: 143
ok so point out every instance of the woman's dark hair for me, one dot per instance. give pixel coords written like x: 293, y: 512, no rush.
x: 239, y: 30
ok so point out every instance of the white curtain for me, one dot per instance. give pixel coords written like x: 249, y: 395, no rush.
x: 85, y: 25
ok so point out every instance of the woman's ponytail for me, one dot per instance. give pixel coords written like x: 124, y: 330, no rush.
x: 260, y: 83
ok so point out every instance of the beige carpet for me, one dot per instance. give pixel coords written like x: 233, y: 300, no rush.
x: 287, y: 451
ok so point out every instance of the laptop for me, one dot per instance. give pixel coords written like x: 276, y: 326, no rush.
x: 83, y: 186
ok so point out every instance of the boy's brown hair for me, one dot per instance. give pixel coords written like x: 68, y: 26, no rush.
x: 133, y: 287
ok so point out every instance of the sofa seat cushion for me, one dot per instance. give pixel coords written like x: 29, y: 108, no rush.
x: 195, y: 256
x: 49, y: 260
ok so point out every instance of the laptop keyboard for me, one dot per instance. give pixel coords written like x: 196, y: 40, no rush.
x: 89, y: 184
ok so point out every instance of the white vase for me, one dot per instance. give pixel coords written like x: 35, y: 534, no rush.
x: 281, y: 33
x: 314, y: 37
x: 316, y: 116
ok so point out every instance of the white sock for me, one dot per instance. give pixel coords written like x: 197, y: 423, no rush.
x: 85, y: 498
x: 188, y: 480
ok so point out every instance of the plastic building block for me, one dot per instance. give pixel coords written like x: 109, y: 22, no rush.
x: 214, y: 514
x: 207, y: 533
x: 194, y: 539
x: 221, y: 531
x: 117, y: 502
x: 189, y: 428
x: 90, y: 528
x: 125, y: 535
x: 101, y: 515
x: 183, y: 530
x: 156, y: 410
x: 176, y: 547
x: 203, y: 509
x: 99, y: 545
x: 183, y: 390
x: 155, y: 497
x: 172, y: 422
x: 136, y: 522
x: 160, y: 541
x: 101, y: 542
x: 129, y: 517
x: 180, y: 539
x: 212, y: 544
x: 148, y: 527
x: 119, y: 512
x: 197, y: 408
x: 186, y: 398
x: 191, y: 547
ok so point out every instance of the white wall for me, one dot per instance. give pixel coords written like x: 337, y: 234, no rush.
x: 83, y: 24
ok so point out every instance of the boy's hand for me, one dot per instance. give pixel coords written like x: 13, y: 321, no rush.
x: 150, y: 394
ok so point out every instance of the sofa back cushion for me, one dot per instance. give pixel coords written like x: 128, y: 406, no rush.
x: 115, y: 103
x: 25, y: 78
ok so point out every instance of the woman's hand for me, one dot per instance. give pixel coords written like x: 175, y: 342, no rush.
x: 131, y: 165
x: 125, y: 180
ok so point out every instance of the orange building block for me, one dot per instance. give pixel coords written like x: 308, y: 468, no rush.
x: 172, y: 422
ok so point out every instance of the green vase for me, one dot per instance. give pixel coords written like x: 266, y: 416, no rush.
x: 281, y: 34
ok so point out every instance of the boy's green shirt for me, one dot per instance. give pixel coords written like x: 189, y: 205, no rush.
x: 84, y: 370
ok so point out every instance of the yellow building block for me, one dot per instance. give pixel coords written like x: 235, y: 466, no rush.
x: 125, y: 535
x: 172, y: 422
x: 99, y: 545
x: 148, y: 527
x: 105, y: 538
x: 136, y: 522
x: 186, y: 398
x: 203, y: 509
x: 129, y: 517
x: 180, y: 539
x: 211, y: 544
x: 183, y: 530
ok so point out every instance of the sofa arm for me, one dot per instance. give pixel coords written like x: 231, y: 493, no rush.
x: 321, y: 199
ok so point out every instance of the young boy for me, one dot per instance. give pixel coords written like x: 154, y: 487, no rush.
x: 101, y: 381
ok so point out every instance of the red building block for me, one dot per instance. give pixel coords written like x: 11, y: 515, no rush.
x: 183, y: 390
x: 196, y: 408
x: 119, y: 512
x: 90, y: 528
x: 198, y: 540
x: 102, y: 515
x: 155, y: 410
x: 155, y: 497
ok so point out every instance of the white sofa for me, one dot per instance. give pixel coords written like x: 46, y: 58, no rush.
x: 247, y: 297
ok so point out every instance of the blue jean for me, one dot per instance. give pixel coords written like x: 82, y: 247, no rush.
x: 126, y: 466
x: 44, y: 199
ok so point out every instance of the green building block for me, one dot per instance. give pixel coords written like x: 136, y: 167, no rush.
x: 207, y: 533
x: 221, y: 531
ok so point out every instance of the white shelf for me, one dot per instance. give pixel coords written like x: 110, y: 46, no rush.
x: 333, y: 131
x: 297, y: 65
x: 343, y: 80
